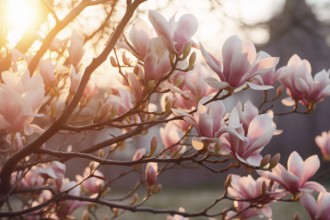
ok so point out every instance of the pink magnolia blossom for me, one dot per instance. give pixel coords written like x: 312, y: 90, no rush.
x: 171, y: 135
x: 301, y: 86
x: 91, y: 184
x: 246, y: 188
x: 190, y: 88
x: 21, y: 97
x: 208, y: 120
x: 317, y: 210
x: 139, y: 37
x: 323, y: 142
x: 247, y: 112
x: 268, y: 75
x: 55, y: 170
x: 135, y: 85
x: 240, y: 65
x: 32, y: 179
x: 46, y: 69
x: 256, y: 135
x: 116, y: 105
x: 177, y: 34
x: 15, y: 112
x: 38, y: 175
x: 30, y: 88
x: 295, y: 178
x: 75, y: 79
x: 156, y: 61
x: 320, y: 87
x: 76, y: 50
x: 67, y: 207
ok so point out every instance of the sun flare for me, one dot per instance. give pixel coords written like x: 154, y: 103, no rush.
x: 20, y: 16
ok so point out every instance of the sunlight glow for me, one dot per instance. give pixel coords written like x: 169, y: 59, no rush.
x: 21, y: 15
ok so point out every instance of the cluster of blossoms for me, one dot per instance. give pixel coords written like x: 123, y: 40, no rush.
x: 164, y: 84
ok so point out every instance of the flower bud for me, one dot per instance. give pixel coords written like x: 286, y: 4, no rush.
x: 153, y: 146
x: 151, y: 174
x: 274, y: 161
x: 192, y: 60
x: 113, y: 62
x: 265, y: 160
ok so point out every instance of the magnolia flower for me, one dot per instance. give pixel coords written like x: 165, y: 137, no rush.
x: 115, y: 105
x: 171, y: 135
x: 240, y: 65
x: 55, y: 170
x: 189, y: 88
x: 139, y: 37
x: 268, y: 75
x: 208, y: 120
x: 156, y: 62
x: 30, y: 88
x: 247, y: 146
x: 91, y: 184
x: 38, y: 175
x: 323, y: 142
x: 320, y: 87
x: 295, y: 178
x: 247, y: 112
x: 301, y: 86
x: 75, y: 79
x: 246, y: 188
x: 67, y: 207
x: 177, y: 34
x: 317, y: 210
x: 46, y: 69
x: 32, y: 179
x: 76, y: 50
x: 135, y: 85
x: 16, y: 113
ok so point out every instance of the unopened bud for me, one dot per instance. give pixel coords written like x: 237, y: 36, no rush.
x: 126, y: 60
x: 186, y: 51
x: 168, y: 106
x: 113, y: 62
x: 192, y: 60
x: 151, y: 174
x: 274, y: 161
x: 153, y: 146
x: 171, y: 56
x: 179, y: 80
x: 265, y: 160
